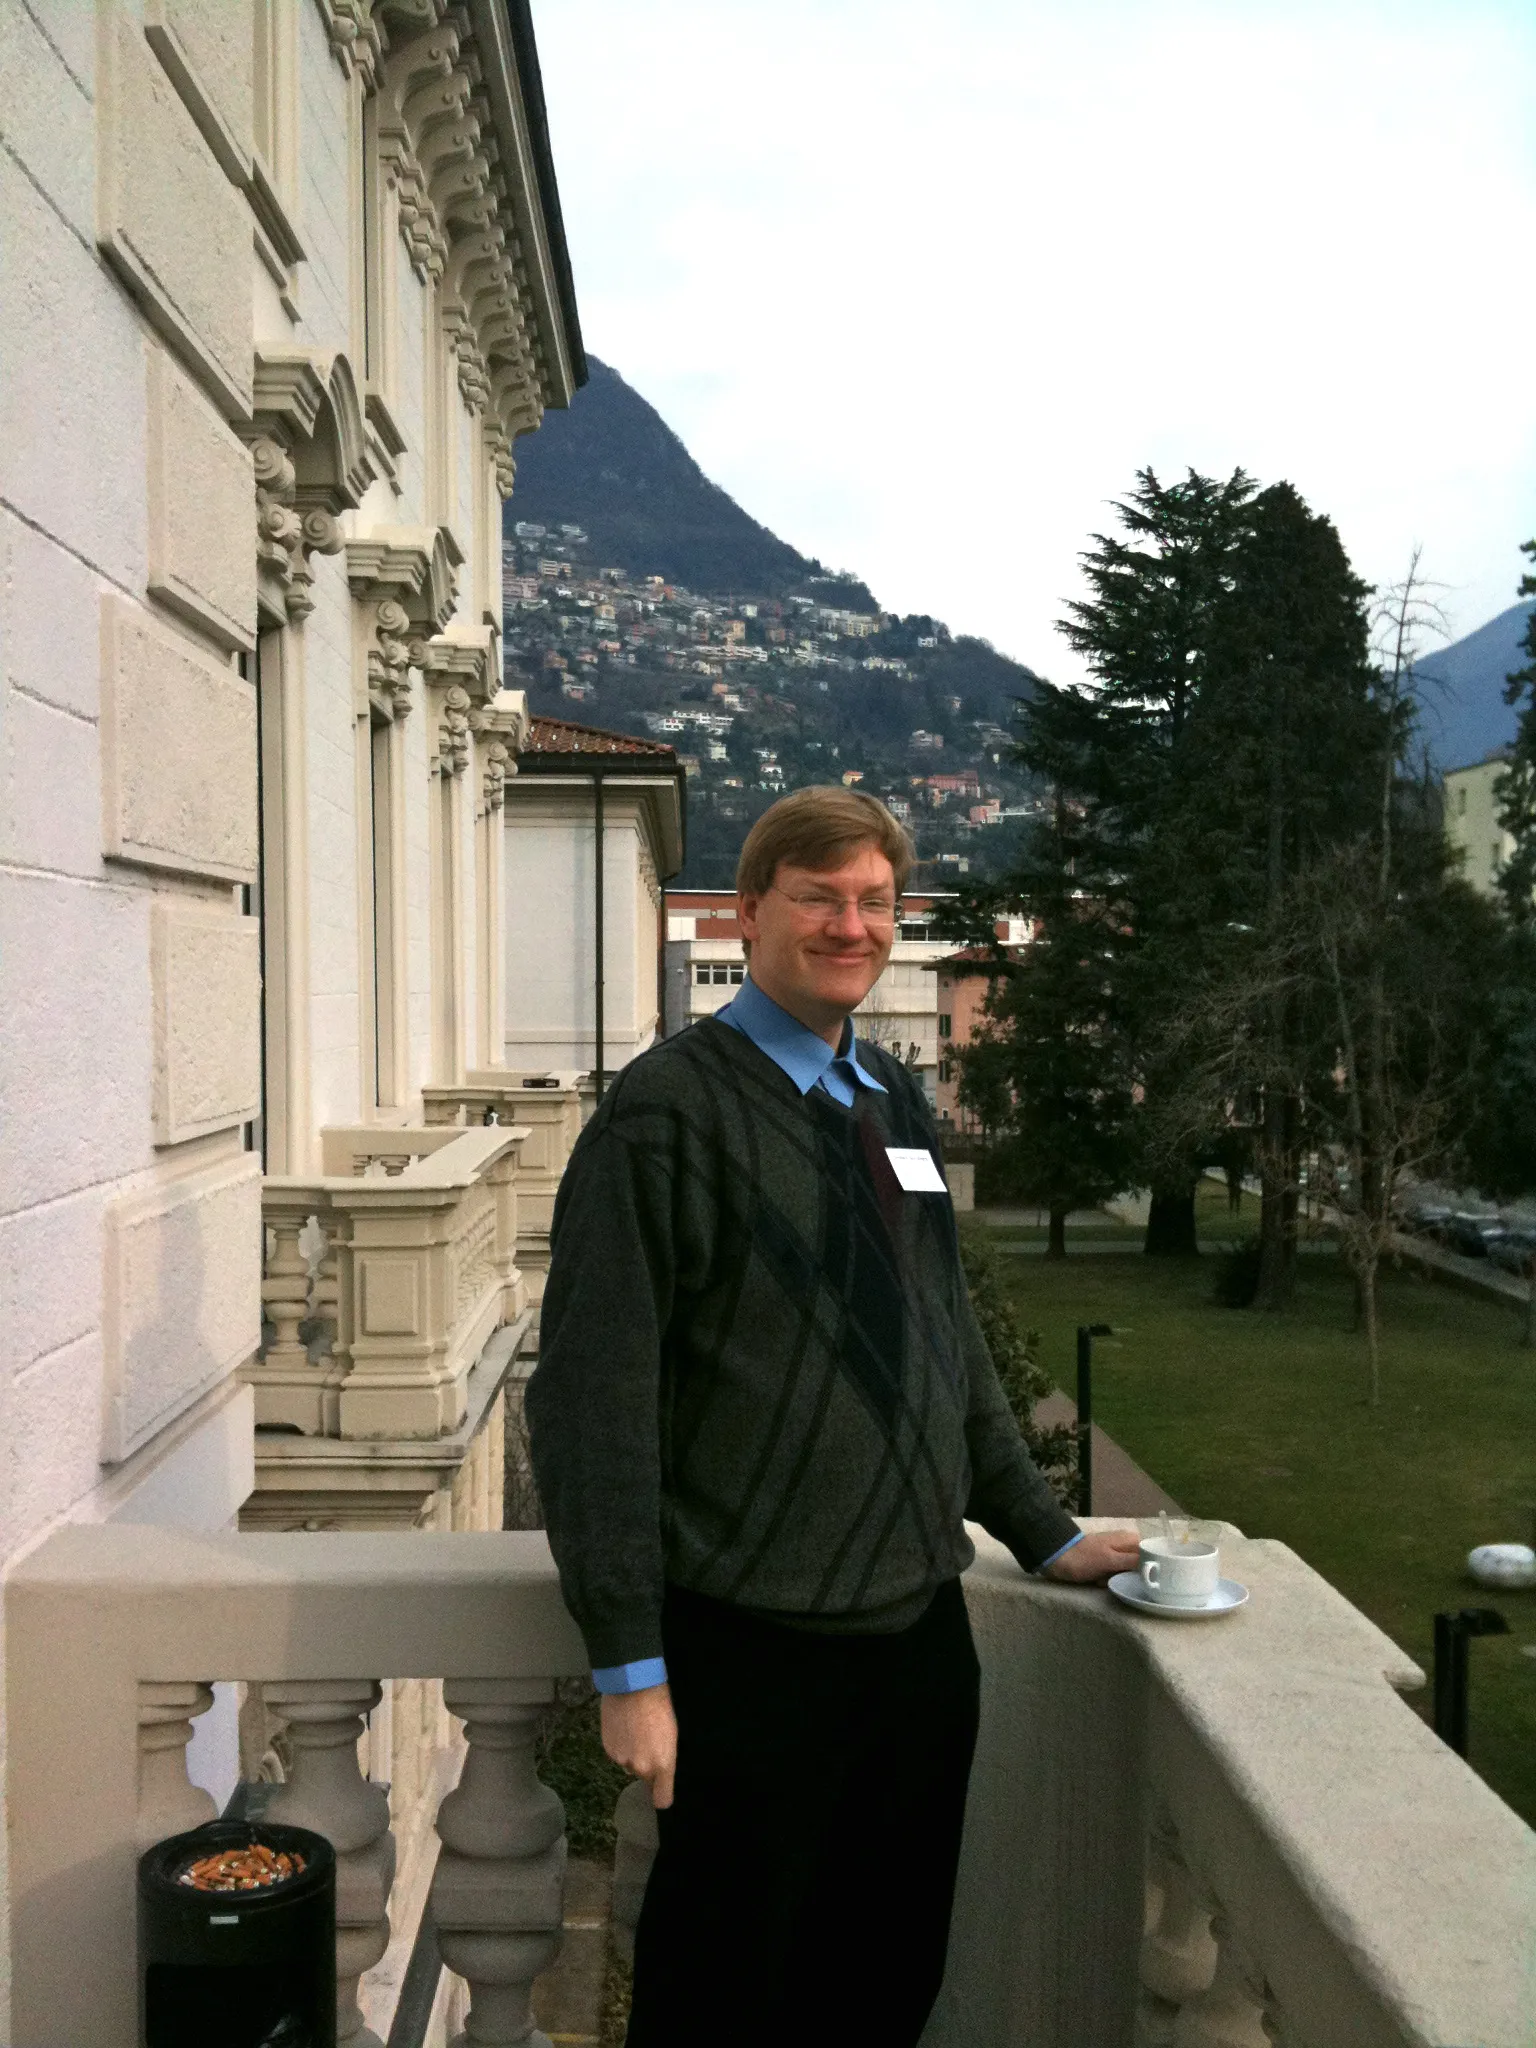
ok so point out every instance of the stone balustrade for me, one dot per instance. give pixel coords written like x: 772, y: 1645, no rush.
x: 1180, y: 1835
x: 384, y: 1278
x: 551, y: 1108
x: 102, y: 1624
x: 1224, y: 1834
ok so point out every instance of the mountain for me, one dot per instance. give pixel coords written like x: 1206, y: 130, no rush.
x: 1461, y: 690
x: 612, y: 466
x: 640, y: 597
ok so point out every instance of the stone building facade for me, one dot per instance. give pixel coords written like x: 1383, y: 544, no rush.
x: 284, y: 281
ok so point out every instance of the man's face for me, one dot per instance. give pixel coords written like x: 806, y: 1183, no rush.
x: 821, y: 937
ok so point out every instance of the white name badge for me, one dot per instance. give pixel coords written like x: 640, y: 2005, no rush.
x: 916, y: 1170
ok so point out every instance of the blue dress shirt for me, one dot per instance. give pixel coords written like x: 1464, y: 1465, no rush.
x: 809, y: 1062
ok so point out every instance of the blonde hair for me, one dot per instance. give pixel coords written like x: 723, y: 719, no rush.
x: 819, y: 829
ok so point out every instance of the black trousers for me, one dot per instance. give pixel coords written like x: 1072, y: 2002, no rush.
x: 803, y: 1885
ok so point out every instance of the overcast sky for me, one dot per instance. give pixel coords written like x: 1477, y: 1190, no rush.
x: 923, y: 283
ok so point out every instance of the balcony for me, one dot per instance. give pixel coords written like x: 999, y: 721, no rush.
x: 1209, y: 1837
x: 394, y: 1303
x: 550, y: 1110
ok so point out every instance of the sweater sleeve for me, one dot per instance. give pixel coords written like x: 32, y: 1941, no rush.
x: 1010, y: 1495
x: 593, y: 1403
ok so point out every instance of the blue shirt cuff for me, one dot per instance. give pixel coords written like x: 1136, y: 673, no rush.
x: 1071, y: 1543
x: 631, y: 1677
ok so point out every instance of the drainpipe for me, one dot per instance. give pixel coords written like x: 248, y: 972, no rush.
x: 599, y: 1077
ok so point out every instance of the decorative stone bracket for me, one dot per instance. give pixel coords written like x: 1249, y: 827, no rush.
x: 505, y: 721
x: 461, y: 664
x: 409, y: 574
x: 311, y: 461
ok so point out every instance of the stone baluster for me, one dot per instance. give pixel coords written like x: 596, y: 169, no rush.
x: 327, y: 1791
x: 285, y: 1286
x: 1228, y: 2013
x: 169, y: 1803
x: 498, y: 1889
x: 634, y: 1821
x: 1178, y: 1952
x: 502, y: 1179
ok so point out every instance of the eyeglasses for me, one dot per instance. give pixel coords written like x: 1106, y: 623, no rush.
x: 820, y: 907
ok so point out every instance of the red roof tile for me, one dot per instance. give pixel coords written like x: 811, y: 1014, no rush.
x: 564, y: 736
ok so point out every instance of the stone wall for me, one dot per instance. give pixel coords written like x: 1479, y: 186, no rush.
x: 245, y: 521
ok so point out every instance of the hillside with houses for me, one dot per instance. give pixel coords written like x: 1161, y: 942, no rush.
x: 760, y: 690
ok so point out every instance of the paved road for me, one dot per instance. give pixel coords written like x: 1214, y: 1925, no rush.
x: 1120, y: 1487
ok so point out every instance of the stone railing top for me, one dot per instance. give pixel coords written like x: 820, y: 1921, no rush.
x: 107, y: 1606
x: 1418, y: 1871
x: 441, y: 1157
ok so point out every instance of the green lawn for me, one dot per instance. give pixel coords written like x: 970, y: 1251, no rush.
x: 1262, y: 1420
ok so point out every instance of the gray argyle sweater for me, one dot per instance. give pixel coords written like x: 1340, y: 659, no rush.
x: 760, y: 1375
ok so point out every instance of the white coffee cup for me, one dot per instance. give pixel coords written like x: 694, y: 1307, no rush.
x: 1179, y: 1574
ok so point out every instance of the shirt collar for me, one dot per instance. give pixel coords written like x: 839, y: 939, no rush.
x: 795, y: 1049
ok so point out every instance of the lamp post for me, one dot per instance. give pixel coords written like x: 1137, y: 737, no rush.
x: 1452, y: 1633
x: 1086, y: 1332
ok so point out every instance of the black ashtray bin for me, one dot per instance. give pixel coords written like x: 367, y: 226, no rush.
x: 245, y: 1968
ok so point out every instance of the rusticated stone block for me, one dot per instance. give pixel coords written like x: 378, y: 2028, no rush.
x: 206, y: 967
x: 207, y: 50
x: 167, y: 217
x: 178, y: 742
x: 202, y: 555
x: 181, y: 1299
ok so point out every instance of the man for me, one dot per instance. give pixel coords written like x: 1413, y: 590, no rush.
x: 762, y: 1413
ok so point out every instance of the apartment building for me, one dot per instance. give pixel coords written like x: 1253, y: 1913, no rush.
x: 705, y: 960
x: 1472, y: 820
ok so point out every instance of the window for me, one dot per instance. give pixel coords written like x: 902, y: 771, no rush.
x: 701, y: 976
x: 914, y: 931
x: 944, y: 1022
x: 1495, y: 854
x: 738, y: 973
x: 1461, y: 803
x: 943, y: 1070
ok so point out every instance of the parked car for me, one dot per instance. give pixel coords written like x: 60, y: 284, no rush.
x: 1426, y: 1216
x: 1513, y: 1250
x: 1473, y: 1236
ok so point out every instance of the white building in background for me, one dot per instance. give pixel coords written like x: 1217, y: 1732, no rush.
x: 1472, y: 820
x: 567, y: 949
x: 705, y: 962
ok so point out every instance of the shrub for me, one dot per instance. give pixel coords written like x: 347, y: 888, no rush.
x: 1016, y: 1354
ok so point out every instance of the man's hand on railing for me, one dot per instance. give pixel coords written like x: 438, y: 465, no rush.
x: 640, y: 1734
x: 1101, y: 1554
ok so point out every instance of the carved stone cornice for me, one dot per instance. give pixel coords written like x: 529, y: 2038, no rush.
x: 439, y: 151
x: 354, y: 38
x: 417, y: 565
x: 465, y: 655
x: 506, y: 716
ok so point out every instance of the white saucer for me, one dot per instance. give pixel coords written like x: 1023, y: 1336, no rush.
x: 1127, y: 1586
